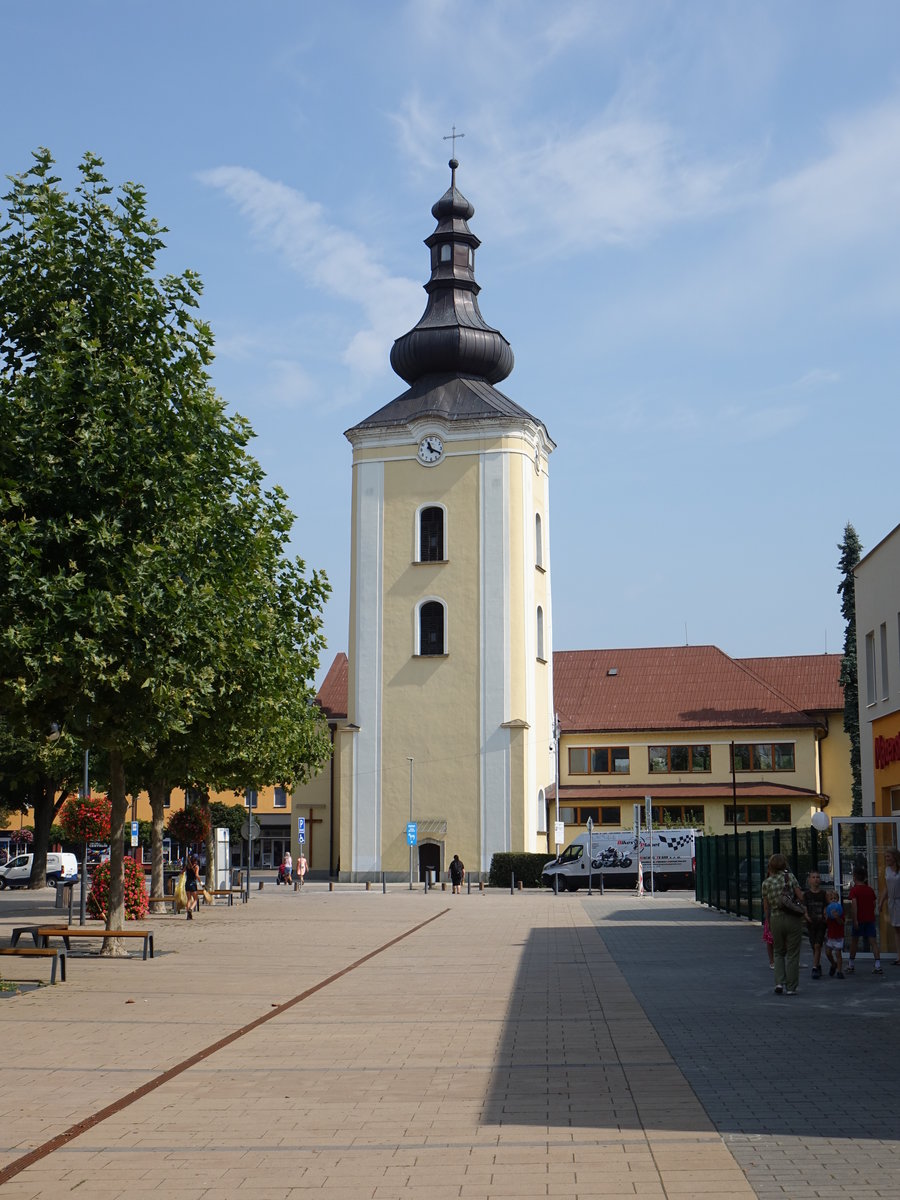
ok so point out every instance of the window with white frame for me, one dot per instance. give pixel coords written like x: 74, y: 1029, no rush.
x: 882, y: 633
x: 432, y: 634
x: 538, y: 542
x: 542, y: 811
x: 280, y: 800
x: 540, y: 633
x: 871, y: 681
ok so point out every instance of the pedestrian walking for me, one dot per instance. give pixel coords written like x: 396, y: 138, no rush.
x: 778, y: 889
x: 815, y: 900
x: 457, y: 875
x: 287, y: 868
x: 834, y: 935
x: 862, y: 907
x: 302, y: 867
x: 192, y: 885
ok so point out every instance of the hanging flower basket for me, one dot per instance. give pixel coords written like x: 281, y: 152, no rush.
x: 136, y: 903
x: 189, y: 825
x: 86, y: 820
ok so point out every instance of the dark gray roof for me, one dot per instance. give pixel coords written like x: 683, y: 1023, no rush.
x: 451, y: 358
x: 450, y: 397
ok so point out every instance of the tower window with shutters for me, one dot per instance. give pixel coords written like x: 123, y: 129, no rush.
x: 431, y: 628
x: 431, y: 534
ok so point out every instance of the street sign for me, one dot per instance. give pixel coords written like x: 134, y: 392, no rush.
x: 559, y: 835
x: 301, y: 830
x: 134, y: 833
x: 590, y: 824
x: 250, y: 830
x: 412, y: 833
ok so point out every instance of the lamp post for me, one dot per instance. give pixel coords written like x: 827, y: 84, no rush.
x: 556, y: 745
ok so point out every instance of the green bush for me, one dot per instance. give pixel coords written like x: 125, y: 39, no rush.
x: 526, y: 867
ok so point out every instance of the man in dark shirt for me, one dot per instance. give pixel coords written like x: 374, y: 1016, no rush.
x: 815, y: 898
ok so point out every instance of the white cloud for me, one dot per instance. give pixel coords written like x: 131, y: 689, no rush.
x: 817, y: 377
x: 329, y: 258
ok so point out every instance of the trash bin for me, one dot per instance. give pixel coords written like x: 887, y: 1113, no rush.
x: 431, y: 876
x: 65, y: 892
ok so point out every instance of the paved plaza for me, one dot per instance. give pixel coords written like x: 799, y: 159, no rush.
x: 351, y: 1044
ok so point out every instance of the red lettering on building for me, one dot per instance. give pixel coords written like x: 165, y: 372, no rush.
x: 887, y: 751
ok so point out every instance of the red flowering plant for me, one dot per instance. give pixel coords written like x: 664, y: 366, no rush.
x: 86, y: 820
x: 136, y: 900
x: 189, y: 825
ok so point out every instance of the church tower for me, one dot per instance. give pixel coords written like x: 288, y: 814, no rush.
x: 450, y: 703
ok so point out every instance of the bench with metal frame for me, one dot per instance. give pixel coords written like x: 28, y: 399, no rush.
x: 45, y: 932
x: 56, y: 956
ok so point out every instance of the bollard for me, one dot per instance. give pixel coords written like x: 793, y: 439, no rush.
x: 260, y: 885
x: 481, y: 885
x: 443, y: 885
x: 296, y: 885
x: 426, y: 883
x: 601, y: 883
x: 520, y: 885
x: 555, y: 885
x: 383, y: 885
x: 468, y: 885
x: 368, y: 885
x: 331, y: 885
x: 512, y: 882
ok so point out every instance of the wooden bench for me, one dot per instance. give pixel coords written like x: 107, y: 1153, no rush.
x: 45, y: 932
x: 29, y: 929
x: 170, y: 899
x: 229, y: 892
x: 53, y: 953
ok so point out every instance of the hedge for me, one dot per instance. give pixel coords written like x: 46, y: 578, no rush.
x: 526, y: 867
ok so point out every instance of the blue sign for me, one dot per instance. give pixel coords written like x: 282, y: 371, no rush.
x: 301, y: 830
x: 412, y: 833
x: 135, y: 833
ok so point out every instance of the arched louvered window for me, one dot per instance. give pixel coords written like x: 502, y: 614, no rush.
x: 431, y: 535
x: 540, y: 632
x: 538, y: 541
x: 431, y: 628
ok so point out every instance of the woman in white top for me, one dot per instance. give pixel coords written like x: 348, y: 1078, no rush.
x: 890, y: 895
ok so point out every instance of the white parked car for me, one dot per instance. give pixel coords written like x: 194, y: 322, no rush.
x: 17, y: 871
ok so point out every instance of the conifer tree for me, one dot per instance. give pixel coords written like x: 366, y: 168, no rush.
x: 850, y: 549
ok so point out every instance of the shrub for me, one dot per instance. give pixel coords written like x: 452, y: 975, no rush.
x: 86, y: 820
x: 527, y: 869
x: 189, y: 825
x: 135, y: 891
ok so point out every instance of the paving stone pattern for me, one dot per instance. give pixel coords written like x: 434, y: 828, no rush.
x: 804, y: 1089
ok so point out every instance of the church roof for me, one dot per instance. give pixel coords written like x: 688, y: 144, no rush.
x: 332, y: 695
x: 451, y: 358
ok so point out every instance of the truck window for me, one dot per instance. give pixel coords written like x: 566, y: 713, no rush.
x: 571, y: 854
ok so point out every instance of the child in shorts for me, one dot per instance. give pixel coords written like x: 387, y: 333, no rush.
x: 862, y: 901
x: 834, y: 935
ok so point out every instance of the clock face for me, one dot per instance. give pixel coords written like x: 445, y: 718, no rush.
x: 431, y: 449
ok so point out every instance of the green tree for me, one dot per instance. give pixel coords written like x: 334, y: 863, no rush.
x: 119, y: 471
x: 851, y: 550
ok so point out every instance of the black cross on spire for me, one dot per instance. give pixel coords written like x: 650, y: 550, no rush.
x: 451, y: 137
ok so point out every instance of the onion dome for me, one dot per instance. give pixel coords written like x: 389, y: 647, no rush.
x: 452, y: 337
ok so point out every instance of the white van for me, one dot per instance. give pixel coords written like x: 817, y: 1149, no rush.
x: 613, y: 855
x: 17, y: 871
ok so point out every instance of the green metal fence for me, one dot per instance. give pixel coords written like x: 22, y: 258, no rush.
x: 731, y: 867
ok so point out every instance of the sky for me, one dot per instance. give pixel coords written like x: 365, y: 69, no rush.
x: 690, y: 226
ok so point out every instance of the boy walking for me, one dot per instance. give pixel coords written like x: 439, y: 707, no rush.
x: 815, y: 900
x: 862, y: 902
x: 834, y: 935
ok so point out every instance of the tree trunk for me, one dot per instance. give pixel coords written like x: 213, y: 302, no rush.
x: 210, y: 842
x: 41, y: 798
x: 115, y: 916
x: 159, y: 793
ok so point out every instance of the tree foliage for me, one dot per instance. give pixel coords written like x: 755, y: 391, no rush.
x: 143, y: 560
x: 851, y: 549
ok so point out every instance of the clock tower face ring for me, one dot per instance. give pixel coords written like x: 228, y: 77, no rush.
x: 431, y: 450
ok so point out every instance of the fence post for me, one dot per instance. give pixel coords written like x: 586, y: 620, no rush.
x: 727, y: 876
x: 737, y: 874
x: 795, y: 854
x: 716, y: 854
x: 512, y: 883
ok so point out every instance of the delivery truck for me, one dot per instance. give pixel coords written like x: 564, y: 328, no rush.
x: 615, y: 856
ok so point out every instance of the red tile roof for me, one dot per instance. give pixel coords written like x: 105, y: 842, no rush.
x: 668, y: 687
x: 332, y: 696
x: 811, y: 680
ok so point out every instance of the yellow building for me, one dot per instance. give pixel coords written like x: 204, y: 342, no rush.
x: 449, y: 701
x: 714, y: 741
